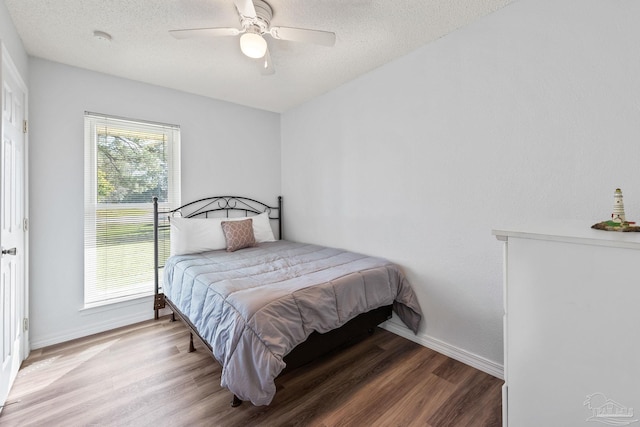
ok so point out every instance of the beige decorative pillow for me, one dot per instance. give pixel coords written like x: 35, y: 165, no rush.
x: 238, y: 234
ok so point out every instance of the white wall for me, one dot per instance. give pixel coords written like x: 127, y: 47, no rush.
x: 11, y: 41
x: 530, y: 113
x: 226, y: 148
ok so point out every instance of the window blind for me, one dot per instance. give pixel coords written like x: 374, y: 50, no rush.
x: 127, y: 163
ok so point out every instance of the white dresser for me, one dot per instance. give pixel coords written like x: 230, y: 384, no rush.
x: 571, y: 326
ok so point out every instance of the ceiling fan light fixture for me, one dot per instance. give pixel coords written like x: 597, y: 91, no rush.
x: 253, y: 45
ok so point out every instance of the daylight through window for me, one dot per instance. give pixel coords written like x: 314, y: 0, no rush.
x: 126, y: 164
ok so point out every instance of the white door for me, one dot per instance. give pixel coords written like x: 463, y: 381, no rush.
x: 13, y: 293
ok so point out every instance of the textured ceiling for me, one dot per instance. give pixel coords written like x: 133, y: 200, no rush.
x: 369, y: 33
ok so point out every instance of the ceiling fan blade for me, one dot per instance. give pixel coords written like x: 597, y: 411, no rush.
x: 324, y: 38
x: 246, y: 8
x: 204, y: 32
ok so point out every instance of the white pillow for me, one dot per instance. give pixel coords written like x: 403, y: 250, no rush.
x: 262, y: 230
x: 193, y: 235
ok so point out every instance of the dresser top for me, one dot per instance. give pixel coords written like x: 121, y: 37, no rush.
x: 570, y: 232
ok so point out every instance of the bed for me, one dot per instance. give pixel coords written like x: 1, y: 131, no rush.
x: 262, y: 304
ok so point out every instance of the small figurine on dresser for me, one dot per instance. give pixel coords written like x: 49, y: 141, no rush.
x: 618, y: 221
x: 618, y: 208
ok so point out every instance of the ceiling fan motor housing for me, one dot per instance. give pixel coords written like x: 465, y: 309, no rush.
x: 264, y: 13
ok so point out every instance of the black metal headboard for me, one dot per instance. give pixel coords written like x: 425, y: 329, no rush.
x: 209, y: 207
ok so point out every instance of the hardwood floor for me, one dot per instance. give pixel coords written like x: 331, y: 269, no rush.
x: 143, y: 375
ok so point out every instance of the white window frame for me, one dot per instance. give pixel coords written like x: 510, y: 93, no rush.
x: 92, y: 296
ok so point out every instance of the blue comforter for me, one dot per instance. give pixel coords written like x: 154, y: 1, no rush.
x: 253, y: 306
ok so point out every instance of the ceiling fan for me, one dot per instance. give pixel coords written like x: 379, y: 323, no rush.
x: 255, y: 20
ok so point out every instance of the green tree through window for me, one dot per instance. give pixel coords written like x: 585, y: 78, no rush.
x: 131, y: 168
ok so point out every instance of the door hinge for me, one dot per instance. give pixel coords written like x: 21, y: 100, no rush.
x: 25, y: 126
x: 25, y: 324
x: 25, y: 224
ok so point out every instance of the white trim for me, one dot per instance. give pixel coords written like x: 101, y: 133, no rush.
x: 94, y: 328
x: 6, y: 63
x: 127, y: 119
x: 468, y: 358
x: 461, y: 355
x: 116, y: 304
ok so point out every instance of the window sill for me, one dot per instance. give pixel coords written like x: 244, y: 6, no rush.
x: 116, y: 304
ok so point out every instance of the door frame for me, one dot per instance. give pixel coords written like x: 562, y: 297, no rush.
x: 6, y: 63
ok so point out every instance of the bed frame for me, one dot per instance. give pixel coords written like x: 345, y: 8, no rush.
x: 209, y: 207
x: 316, y: 345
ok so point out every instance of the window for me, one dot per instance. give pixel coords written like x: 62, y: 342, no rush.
x: 126, y: 163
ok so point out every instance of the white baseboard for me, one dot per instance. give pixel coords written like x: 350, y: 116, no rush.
x: 473, y: 360
x: 91, y: 329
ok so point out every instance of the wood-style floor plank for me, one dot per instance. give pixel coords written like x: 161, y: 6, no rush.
x: 143, y: 375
